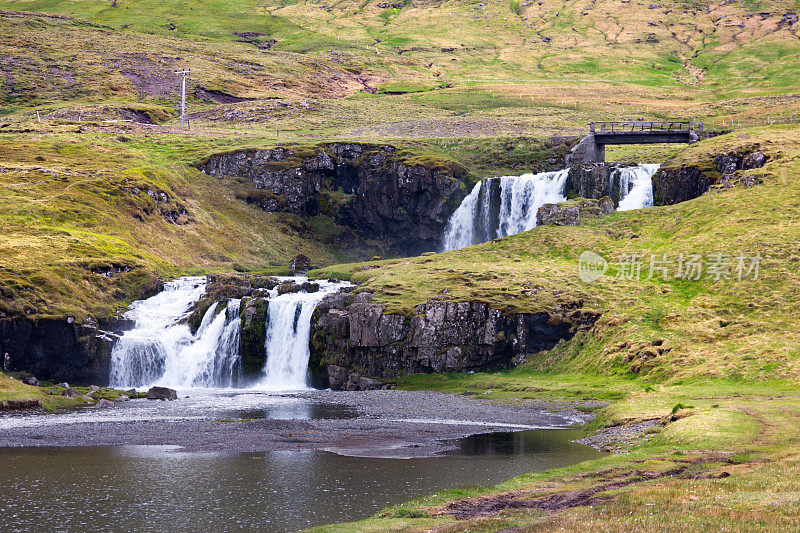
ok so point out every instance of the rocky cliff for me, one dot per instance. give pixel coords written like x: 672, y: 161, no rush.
x: 673, y: 184
x: 355, y: 344
x: 382, y: 193
x: 594, y: 180
x: 58, y: 349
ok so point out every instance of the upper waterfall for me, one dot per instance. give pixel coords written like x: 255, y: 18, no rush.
x: 506, y: 205
x: 636, y: 187
x: 498, y: 207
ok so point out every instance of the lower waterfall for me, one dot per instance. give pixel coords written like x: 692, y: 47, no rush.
x: 507, y: 205
x: 161, y: 349
x: 288, y: 334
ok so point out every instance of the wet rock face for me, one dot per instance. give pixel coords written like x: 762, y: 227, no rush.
x: 252, y: 335
x: 57, y: 349
x: 361, y: 339
x: 392, y: 199
x: 674, y: 185
x: 594, y: 180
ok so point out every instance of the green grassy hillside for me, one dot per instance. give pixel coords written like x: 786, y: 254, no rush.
x: 87, y: 222
x: 701, y: 375
x: 719, y: 327
x: 442, y: 69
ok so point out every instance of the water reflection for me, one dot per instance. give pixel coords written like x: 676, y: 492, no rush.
x: 155, y: 488
x: 516, y: 442
x: 299, y: 411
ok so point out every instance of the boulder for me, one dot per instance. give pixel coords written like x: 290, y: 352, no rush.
x: 104, y: 404
x: 310, y: 286
x: 131, y: 393
x: 122, y: 398
x: 754, y: 160
x: 300, y: 264
x: 63, y: 384
x: 162, y: 393
x: 70, y: 393
x: 94, y: 388
x: 29, y: 379
x: 337, y: 377
x: 369, y: 384
x: 289, y: 287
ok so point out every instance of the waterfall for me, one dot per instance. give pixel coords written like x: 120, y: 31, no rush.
x: 498, y: 207
x: 507, y: 205
x: 287, y: 339
x: 636, y: 187
x: 161, y: 349
x: 139, y: 356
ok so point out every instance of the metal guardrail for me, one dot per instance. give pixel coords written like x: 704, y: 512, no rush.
x: 644, y: 126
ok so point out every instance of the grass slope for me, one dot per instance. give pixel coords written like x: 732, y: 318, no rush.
x: 88, y: 221
x: 498, y: 69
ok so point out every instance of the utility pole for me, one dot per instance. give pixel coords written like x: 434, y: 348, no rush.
x: 183, y: 73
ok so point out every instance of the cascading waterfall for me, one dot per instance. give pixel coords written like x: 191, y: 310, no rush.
x: 636, y: 187
x: 498, y: 207
x: 161, y: 349
x: 287, y: 338
x: 507, y: 205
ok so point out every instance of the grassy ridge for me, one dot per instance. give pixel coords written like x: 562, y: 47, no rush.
x: 499, y: 69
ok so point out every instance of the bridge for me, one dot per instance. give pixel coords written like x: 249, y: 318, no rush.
x: 592, y: 148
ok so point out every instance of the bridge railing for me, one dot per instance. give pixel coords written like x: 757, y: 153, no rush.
x: 643, y: 126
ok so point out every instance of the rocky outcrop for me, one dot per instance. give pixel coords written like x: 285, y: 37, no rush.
x: 380, y: 192
x: 252, y: 335
x: 351, y: 341
x: 571, y: 212
x: 672, y: 185
x: 162, y: 393
x: 58, y: 349
x: 594, y: 180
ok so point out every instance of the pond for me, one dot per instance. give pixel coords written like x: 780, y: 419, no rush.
x: 156, y: 488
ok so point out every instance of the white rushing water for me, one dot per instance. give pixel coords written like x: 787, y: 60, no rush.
x: 161, y: 349
x: 287, y: 339
x: 507, y: 205
x: 498, y: 207
x: 636, y: 187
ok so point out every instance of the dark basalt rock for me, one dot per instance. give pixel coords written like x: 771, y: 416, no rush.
x: 388, y: 197
x: 58, y: 349
x: 361, y: 340
x: 252, y: 335
x: 674, y: 185
x: 162, y: 393
x: 594, y: 181
x: 571, y: 213
x: 299, y: 265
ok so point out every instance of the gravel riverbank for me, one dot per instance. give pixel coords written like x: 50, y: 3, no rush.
x: 369, y: 424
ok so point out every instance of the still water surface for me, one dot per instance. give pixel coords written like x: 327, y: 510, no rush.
x: 158, y: 488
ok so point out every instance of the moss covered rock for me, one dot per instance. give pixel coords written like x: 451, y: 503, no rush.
x: 253, y: 331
